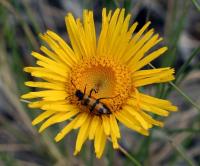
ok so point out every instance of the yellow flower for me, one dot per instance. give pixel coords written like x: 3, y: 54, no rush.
x: 94, y: 83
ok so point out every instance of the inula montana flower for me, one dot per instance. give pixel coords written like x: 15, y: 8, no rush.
x: 93, y: 82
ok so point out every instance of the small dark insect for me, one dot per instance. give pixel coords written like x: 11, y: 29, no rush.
x: 95, y: 105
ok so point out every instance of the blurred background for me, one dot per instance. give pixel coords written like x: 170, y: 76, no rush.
x: 177, y: 144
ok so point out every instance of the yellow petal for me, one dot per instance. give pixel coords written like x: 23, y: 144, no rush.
x: 131, y: 52
x: 114, y: 136
x: 60, y: 117
x: 141, y: 31
x: 114, y: 126
x: 39, y: 104
x: 54, y: 68
x: 42, y: 116
x: 151, y: 120
x: 82, y: 134
x: 98, y: 136
x: 44, y: 73
x: 89, y: 29
x: 137, y: 116
x: 125, y: 44
x: 149, y: 108
x: 41, y: 57
x: 46, y: 85
x: 74, y: 34
x: 102, y: 147
x: 106, y: 125
x: 161, y: 103
x: 50, y: 54
x: 130, y: 124
x: 113, y: 22
x: 68, y: 51
x: 147, y: 73
x: 32, y: 69
x: 149, y: 58
x: 115, y: 34
x: 83, y: 39
x: 66, y: 129
x: 167, y: 75
x: 51, y: 95
x: 57, y: 49
x: 82, y: 117
x: 58, y: 107
x: 125, y: 25
x: 146, y: 47
x: 114, y: 140
x: 48, y: 75
x: 94, y: 123
x: 155, y: 110
x: 102, y: 37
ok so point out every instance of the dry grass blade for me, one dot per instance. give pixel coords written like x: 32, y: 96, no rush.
x: 14, y: 147
x: 13, y: 99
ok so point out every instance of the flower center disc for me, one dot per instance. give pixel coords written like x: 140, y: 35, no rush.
x: 111, y: 81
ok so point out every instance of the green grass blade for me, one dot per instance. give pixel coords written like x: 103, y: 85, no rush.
x: 128, y: 155
x: 23, y: 24
x: 196, y: 4
x: 143, y: 150
x: 181, y: 130
x: 185, y: 96
x: 170, y: 56
x: 110, y: 155
x: 182, y: 153
x: 31, y: 16
x: 181, y: 74
x: 185, y: 65
x: 182, y: 93
x: 116, y: 3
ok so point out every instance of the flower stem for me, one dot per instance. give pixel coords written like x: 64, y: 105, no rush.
x: 137, y: 163
x: 185, y: 96
x: 128, y: 155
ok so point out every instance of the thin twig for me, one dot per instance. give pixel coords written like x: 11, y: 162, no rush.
x: 14, y: 147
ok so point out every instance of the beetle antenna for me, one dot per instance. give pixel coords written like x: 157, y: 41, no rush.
x: 68, y: 96
x: 73, y: 84
x: 108, y: 97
